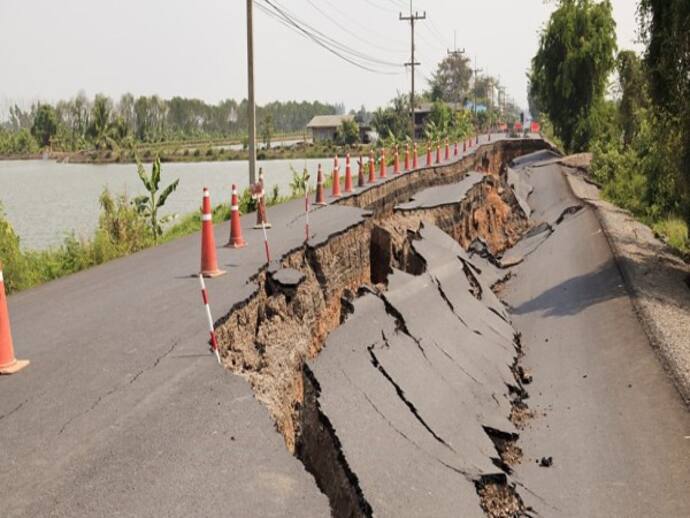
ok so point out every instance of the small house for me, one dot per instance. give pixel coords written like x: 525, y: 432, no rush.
x: 324, y: 127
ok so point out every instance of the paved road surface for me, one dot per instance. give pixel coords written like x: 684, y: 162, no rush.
x: 606, y: 412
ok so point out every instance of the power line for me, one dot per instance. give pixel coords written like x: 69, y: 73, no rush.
x: 347, y: 30
x: 292, y: 19
x: 344, y: 52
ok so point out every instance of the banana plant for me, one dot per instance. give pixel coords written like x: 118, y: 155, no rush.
x: 298, y: 184
x: 432, y: 132
x: 147, y: 205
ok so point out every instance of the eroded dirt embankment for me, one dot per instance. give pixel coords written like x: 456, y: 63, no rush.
x: 300, y: 299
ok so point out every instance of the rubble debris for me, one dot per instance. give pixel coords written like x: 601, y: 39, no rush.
x: 520, y: 415
x: 525, y: 375
x: 546, y: 462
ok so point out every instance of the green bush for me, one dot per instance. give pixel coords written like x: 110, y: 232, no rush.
x: 619, y: 173
x: 16, y: 269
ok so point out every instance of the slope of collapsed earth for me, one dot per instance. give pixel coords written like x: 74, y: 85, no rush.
x: 388, y: 364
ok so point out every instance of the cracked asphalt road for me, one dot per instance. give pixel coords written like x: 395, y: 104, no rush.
x: 605, y: 410
x: 124, y: 412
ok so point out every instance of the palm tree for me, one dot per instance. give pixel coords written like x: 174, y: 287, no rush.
x: 101, y: 129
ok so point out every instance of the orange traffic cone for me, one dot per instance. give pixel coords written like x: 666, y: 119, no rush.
x: 348, y: 174
x: 447, y: 155
x: 319, y: 188
x: 209, y: 262
x: 260, y: 196
x: 8, y: 363
x: 236, y: 239
x: 438, y: 152
x: 428, y: 154
x: 415, y: 157
x: 335, y: 190
x: 372, y: 167
x: 360, y: 172
x: 382, y: 174
x: 407, y: 157
x: 464, y: 145
x: 456, y: 152
x: 396, y: 162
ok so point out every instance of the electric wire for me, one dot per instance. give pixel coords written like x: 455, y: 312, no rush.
x: 350, y: 31
x: 333, y: 46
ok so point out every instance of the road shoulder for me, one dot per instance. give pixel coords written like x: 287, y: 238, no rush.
x: 656, y: 279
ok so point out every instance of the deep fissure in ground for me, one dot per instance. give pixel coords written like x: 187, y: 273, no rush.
x: 268, y: 338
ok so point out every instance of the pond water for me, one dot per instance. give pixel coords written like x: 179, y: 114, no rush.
x: 45, y: 200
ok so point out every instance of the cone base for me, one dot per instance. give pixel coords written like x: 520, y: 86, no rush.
x: 240, y: 244
x: 319, y: 204
x: 14, y: 367
x: 259, y: 226
x: 213, y: 274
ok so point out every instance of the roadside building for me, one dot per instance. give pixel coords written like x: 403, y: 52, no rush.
x: 422, y: 112
x: 324, y: 127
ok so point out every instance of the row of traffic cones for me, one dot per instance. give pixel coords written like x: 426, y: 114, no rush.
x: 209, y: 263
x: 209, y: 260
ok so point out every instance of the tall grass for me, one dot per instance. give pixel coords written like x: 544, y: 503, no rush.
x: 675, y: 232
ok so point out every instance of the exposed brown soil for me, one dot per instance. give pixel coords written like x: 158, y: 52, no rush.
x: 499, y: 500
x: 268, y: 338
x: 489, y: 212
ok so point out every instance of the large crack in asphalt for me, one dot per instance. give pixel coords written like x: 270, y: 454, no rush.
x: 275, y: 336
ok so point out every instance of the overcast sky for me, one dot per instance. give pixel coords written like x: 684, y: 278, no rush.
x: 51, y: 49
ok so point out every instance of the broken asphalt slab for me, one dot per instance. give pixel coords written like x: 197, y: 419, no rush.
x: 424, y: 386
x: 443, y: 194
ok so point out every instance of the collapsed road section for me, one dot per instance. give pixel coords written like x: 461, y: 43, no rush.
x: 122, y: 413
x: 389, y: 366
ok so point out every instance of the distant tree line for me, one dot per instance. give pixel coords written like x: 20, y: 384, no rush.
x: 102, y: 123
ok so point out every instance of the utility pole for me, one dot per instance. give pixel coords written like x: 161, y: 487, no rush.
x: 491, y: 102
x: 476, y: 71
x: 414, y: 16
x: 501, y: 102
x: 251, y: 140
x: 455, y: 52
